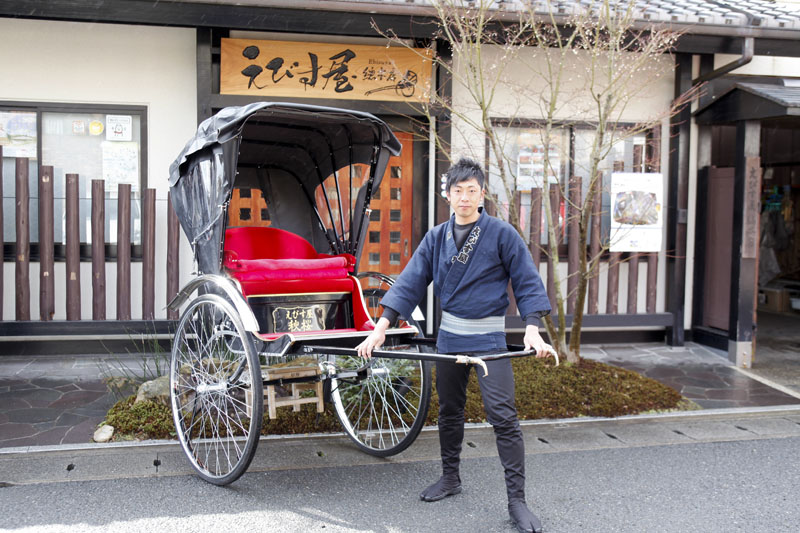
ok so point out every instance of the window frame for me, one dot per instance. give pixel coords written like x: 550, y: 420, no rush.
x: 59, y: 252
x: 572, y: 127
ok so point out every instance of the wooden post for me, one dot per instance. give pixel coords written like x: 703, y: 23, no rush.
x: 594, y: 250
x: 652, y: 281
x: 677, y: 202
x: 47, y: 299
x: 653, y: 150
x: 98, y: 250
x: 573, y: 248
x: 173, y: 256
x: 148, y: 254
x: 124, y: 252
x: 517, y: 205
x: 653, y: 163
x: 536, y: 226
x: 490, y: 206
x: 613, y: 283
x: 744, y: 252
x: 633, y: 282
x: 73, y: 249
x: 555, y: 200
x: 22, y: 277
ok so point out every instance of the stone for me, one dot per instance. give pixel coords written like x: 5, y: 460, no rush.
x: 156, y: 390
x: 103, y: 433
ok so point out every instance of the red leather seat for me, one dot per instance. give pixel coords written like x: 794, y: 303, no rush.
x: 268, y: 261
x: 265, y: 254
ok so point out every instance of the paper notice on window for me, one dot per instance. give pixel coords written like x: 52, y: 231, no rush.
x: 531, y: 163
x: 119, y: 128
x: 637, y: 214
x: 18, y: 134
x: 120, y: 164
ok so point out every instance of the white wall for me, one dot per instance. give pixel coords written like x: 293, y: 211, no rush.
x: 523, y: 79
x: 762, y: 65
x: 66, y: 62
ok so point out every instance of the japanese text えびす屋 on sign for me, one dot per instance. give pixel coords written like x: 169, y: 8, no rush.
x: 324, y: 70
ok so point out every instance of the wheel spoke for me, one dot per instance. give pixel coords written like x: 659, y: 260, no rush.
x: 214, y: 367
x: 384, y: 408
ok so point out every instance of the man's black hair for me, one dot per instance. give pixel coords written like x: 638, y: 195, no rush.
x: 464, y: 170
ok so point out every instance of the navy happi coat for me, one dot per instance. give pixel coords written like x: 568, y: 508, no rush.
x: 471, y: 282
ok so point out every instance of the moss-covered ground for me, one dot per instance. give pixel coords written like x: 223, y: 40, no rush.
x: 588, y: 388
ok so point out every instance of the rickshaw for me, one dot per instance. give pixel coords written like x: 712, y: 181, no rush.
x: 281, y: 305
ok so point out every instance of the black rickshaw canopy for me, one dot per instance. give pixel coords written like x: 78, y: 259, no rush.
x: 287, y: 151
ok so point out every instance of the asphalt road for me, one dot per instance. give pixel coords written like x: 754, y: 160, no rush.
x: 709, y: 475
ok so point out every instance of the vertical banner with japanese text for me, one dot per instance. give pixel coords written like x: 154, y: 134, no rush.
x: 324, y: 70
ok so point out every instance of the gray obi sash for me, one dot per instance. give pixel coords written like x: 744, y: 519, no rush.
x: 472, y: 326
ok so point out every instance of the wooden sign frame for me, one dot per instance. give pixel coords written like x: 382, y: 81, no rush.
x: 324, y: 70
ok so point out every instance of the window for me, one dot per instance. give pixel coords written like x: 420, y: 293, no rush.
x: 625, y: 156
x: 569, y: 152
x: 527, y: 161
x: 96, y: 142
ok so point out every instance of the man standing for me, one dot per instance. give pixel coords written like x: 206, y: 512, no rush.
x: 470, y: 259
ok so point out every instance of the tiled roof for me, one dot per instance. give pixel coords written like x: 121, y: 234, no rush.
x: 782, y: 95
x: 771, y: 101
x: 733, y: 13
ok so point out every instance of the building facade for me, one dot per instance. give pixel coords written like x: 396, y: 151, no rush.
x: 111, y: 94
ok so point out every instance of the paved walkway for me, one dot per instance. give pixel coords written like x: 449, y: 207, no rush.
x: 52, y: 400
x: 778, y: 349
x: 701, y: 374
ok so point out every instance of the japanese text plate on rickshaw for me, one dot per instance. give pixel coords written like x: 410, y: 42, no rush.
x: 299, y: 318
x: 287, y: 313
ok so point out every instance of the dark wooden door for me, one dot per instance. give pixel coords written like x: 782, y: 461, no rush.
x: 719, y: 238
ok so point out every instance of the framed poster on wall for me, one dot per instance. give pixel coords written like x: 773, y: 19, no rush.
x: 637, y: 215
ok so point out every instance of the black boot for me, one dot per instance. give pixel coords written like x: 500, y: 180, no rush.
x: 522, y: 518
x: 447, y: 485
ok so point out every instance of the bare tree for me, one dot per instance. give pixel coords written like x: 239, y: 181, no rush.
x: 585, y: 67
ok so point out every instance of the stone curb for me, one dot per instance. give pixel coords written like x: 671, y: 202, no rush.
x: 723, y: 413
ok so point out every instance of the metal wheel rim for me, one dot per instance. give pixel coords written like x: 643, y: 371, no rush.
x: 210, y: 374
x: 382, y: 410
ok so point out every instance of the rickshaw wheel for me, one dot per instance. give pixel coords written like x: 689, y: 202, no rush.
x: 384, y: 408
x: 214, y: 376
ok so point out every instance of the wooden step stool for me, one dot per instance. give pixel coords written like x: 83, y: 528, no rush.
x: 272, y: 402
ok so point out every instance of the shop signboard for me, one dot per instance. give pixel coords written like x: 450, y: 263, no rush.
x: 324, y: 70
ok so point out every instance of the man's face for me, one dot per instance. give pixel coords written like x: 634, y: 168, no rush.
x: 465, y: 197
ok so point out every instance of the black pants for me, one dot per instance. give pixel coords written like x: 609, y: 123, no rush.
x: 497, y: 390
